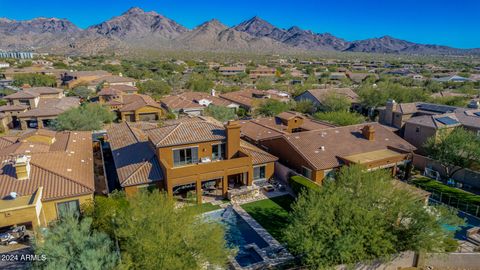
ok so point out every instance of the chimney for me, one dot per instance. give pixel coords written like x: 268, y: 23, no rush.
x: 233, y: 138
x: 212, y: 92
x: 22, y: 167
x: 368, y: 132
x: 390, y: 107
x: 294, y: 123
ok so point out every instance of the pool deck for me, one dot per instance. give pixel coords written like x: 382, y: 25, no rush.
x: 282, y: 255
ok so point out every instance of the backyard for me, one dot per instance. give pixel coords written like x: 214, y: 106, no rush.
x: 462, y: 200
x: 271, y: 213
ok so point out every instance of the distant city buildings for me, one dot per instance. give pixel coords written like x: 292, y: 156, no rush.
x: 17, y: 55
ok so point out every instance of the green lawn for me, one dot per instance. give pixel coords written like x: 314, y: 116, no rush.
x: 272, y: 213
x: 433, y: 185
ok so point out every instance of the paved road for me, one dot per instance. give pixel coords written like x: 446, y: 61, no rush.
x: 13, y: 259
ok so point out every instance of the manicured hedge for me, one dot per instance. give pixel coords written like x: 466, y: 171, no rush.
x: 433, y: 185
x: 298, y: 183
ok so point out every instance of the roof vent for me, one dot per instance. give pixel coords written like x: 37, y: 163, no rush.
x: 322, y: 148
x: 13, y: 195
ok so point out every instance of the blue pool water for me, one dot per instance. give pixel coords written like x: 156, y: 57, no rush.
x: 461, y: 232
x: 239, y: 235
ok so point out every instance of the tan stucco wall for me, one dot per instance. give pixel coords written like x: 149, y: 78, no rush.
x: 50, y: 207
x: 125, y: 116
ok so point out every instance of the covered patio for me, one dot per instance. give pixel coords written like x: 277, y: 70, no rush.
x: 379, y: 159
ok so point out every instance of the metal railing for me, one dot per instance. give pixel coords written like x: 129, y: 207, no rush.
x: 470, y: 208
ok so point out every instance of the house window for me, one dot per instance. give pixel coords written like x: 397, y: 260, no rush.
x: 24, y: 102
x: 218, y: 151
x: 148, y: 188
x: 329, y: 174
x: 417, y: 129
x: 258, y: 172
x: 307, y: 173
x: 185, y: 156
x: 64, y: 208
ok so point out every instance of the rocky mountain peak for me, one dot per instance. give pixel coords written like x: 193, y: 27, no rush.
x: 134, y: 10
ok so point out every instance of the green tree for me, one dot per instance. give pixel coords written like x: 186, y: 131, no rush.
x: 340, y: 118
x: 91, y: 116
x: 455, y: 150
x: 199, y: 83
x: 334, y: 102
x: 305, y: 106
x: 25, y: 64
x: 264, y: 84
x: 374, y: 96
x: 363, y: 216
x: 155, y: 88
x: 72, y: 244
x: 60, y: 65
x: 272, y: 107
x: 457, y: 101
x: 81, y: 91
x: 220, y: 113
x: 155, y: 234
x: 34, y: 80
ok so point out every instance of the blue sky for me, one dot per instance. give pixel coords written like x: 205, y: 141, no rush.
x: 444, y: 22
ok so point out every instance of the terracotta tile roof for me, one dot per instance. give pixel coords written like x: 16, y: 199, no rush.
x: 342, y: 141
x: 21, y: 94
x: 34, y: 92
x: 186, y: 133
x: 433, y: 120
x: 190, y: 100
x: 289, y: 115
x: 468, y: 117
x: 7, y: 141
x: 62, y: 171
x: 51, y: 107
x: 89, y: 73
x: 109, y: 91
x: 44, y: 90
x: 269, y: 127
x: 321, y: 94
x: 179, y: 102
x: 9, y: 108
x: 136, y: 101
x: 123, y: 87
x: 134, y: 157
x: 407, y: 108
x: 258, y: 156
x: 243, y: 97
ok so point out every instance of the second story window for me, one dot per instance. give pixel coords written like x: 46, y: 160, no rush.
x: 24, y: 102
x: 185, y: 156
x: 218, y: 151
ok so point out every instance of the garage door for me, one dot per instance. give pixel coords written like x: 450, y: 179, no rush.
x: 148, y: 117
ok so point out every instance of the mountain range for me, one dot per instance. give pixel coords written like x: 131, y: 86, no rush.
x: 136, y: 29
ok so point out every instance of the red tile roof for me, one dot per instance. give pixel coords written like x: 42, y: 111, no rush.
x: 64, y: 169
x: 340, y: 142
x: 134, y: 158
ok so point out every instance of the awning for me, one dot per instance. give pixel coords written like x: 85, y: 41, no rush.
x: 379, y: 157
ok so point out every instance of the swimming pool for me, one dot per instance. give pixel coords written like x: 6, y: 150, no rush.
x: 461, y: 231
x: 239, y: 235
